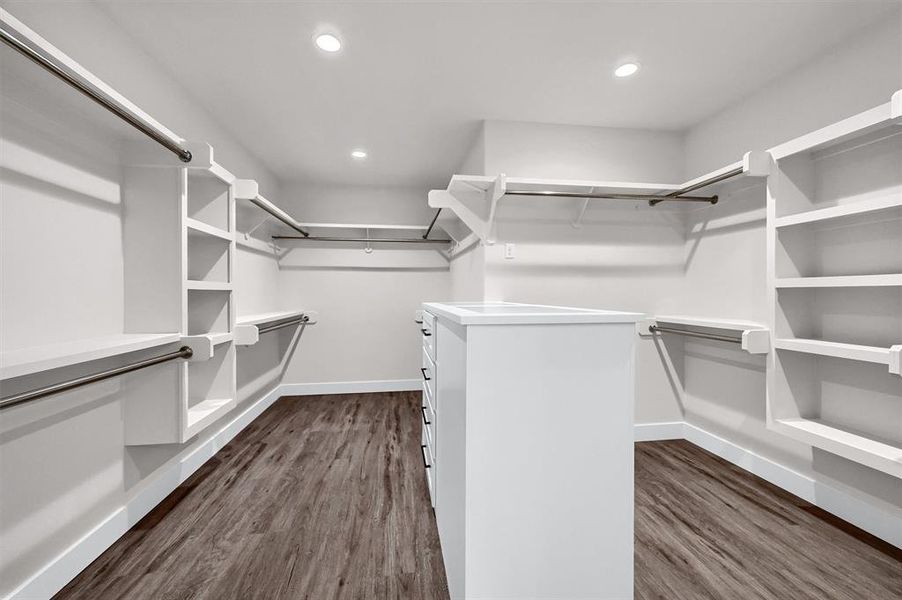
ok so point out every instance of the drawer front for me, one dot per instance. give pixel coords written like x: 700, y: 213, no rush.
x: 429, y: 465
x: 428, y: 419
x: 430, y: 402
x: 428, y: 372
x: 427, y: 329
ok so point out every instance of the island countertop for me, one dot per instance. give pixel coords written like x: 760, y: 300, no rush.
x: 513, y: 313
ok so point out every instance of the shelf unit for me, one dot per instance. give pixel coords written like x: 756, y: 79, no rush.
x: 206, y: 391
x: 754, y: 338
x: 834, y: 230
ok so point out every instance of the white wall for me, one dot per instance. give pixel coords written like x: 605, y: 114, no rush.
x: 366, y: 302
x: 856, y: 75
x: 64, y: 467
x: 520, y: 149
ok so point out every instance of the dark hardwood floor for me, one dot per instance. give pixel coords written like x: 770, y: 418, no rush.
x: 323, y: 497
x: 320, y: 497
x: 706, y: 529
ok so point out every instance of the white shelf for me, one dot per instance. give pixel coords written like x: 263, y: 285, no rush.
x: 204, y: 413
x: 474, y: 198
x: 713, y: 323
x: 854, y: 127
x: 270, y: 317
x: 26, y: 361
x: 247, y: 328
x: 872, y: 354
x: 891, y: 280
x: 755, y: 338
x: 838, y: 212
x: 216, y: 286
x: 844, y: 442
x: 199, y: 227
x: 373, y: 227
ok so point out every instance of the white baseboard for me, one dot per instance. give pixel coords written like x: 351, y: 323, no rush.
x: 650, y: 432
x: 351, y: 387
x: 61, y: 570
x: 865, y: 515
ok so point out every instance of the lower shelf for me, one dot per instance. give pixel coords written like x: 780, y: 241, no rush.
x: 874, y: 453
x: 873, y: 354
x: 203, y: 413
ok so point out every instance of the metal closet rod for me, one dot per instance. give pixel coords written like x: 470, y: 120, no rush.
x: 611, y: 196
x: 38, y: 55
x: 697, y: 334
x: 432, y: 224
x: 318, y: 238
x: 680, y: 195
x: 701, y: 184
x: 280, y: 214
x: 56, y: 388
x: 302, y: 319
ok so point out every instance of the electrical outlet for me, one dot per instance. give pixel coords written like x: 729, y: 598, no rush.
x: 509, y: 251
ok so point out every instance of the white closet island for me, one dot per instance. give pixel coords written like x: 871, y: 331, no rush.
x: 528, y: 444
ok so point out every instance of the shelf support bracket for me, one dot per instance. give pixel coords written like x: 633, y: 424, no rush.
x: 895, y: 360
x: 495, y: 192
x: 896, y: 107
x: 577, y: 223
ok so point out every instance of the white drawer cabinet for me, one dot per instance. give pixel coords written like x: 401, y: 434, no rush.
x: 426, y: 324
x: 531, y: 449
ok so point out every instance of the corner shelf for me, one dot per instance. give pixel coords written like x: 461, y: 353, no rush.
x: 27, y: 361
x: 754, y: 338
x: 844, y: 442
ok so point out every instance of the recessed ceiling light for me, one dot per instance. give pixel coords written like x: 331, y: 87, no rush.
x: 626, y: 69
x: 328, y: 42
x: 359, y: 153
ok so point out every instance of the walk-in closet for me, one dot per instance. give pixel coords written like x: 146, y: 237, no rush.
x: 450, y: 300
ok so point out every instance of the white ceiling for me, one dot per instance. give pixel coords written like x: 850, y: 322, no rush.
x: 414, y: 79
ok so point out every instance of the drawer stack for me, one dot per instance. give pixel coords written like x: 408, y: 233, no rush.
x: 429, y: 372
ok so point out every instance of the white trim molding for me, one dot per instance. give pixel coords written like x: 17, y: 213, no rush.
x: 656, y: 432
x: 351, y: 387
x: 882, y: 523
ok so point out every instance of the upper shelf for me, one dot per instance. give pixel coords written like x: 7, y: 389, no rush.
x: 857, y: 126
x: 27, y: 361
x: 474, y: 198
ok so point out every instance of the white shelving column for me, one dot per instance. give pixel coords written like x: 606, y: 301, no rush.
x: 834, y: 232
x: 201, y: 254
